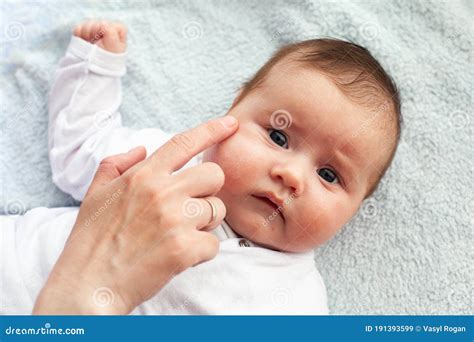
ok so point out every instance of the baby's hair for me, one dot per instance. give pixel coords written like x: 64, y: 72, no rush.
x: 354, y: 71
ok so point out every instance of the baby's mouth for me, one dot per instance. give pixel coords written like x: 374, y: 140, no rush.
x: 271, y: 205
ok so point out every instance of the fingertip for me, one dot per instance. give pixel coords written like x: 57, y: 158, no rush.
x: 228, y: 121
x: 139, y: 151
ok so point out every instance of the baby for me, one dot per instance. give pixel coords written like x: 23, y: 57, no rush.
x: 318, y: 127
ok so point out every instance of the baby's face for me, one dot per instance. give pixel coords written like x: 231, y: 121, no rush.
x: 316, y: 168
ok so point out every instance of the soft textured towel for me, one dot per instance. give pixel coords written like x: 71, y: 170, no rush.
x: 408, y: 251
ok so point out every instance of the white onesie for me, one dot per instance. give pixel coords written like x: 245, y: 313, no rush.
x: 85, y: 127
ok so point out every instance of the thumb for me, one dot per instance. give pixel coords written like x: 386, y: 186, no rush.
x: 114, y: 166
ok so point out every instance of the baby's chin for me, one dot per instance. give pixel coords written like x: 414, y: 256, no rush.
x: 257, y: 228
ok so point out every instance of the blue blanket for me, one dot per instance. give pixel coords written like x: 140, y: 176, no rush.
x: 408, y: 249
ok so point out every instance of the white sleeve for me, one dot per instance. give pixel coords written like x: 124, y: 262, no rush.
x: 29, y: 247
x: 84, y: 123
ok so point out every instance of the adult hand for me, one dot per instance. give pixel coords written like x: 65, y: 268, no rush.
x: 138, y: 226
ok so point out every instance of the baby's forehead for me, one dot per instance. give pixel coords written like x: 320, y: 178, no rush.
x: 315, y: 95
x: 311, y: 96
x: 346, y: 83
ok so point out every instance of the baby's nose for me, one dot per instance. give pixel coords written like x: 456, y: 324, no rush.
x: 291, y: 174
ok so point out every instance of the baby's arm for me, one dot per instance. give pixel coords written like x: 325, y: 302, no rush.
x: 84, y: 123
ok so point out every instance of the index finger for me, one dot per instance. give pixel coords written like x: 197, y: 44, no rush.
x: 184, y: 146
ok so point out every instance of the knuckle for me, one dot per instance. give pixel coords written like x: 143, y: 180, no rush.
x: 182, y: 141
x: 108, y: 164
x: 168, y: 219
x: 169, y: 187
x: 212, y: 131
x: 108, y: 160
x: 178, y: 245
x: 140, y: 179
x: 161, y: 195
x: 156, y: 196
x: 136, y: 178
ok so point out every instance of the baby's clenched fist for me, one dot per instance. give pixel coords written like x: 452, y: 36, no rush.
x: 110, y: 36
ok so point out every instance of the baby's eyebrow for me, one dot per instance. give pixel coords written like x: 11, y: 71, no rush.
x: 342, y: 161
x: 343, y: 156
x: 350, y: 159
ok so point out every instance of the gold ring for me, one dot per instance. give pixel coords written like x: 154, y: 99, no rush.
x: 213, y: 211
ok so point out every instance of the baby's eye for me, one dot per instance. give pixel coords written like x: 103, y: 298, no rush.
x: 278, y: 138
x: 328, y: 175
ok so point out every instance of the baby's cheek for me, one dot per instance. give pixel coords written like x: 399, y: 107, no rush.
x: 238, y: 162
x: 334, y: 213
x: 320, y: 215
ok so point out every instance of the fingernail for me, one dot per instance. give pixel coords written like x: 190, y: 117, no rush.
x: 228, y: 121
